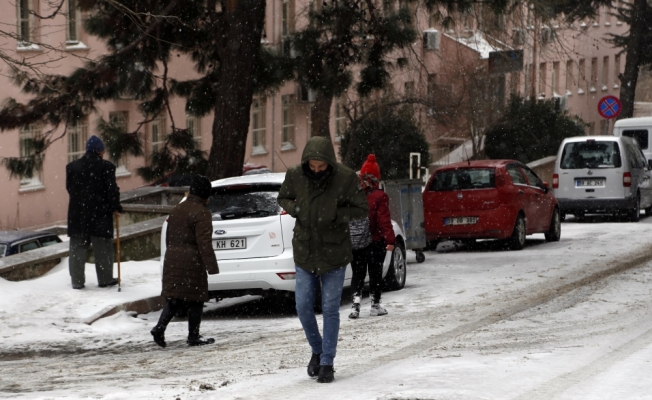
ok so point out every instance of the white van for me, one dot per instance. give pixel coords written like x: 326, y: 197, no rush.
x: 639, y: 129
x: 602, y: 174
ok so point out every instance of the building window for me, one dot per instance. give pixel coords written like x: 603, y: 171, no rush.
x: 26, y: 22
x: 616, y: 71
x: 158, y: 128
x: 543, y: 77
x: 340, y: 119
x: 594, y: 74
x: 287, y: 123
x: 77, y: 137
x: 515, y: 81
x: 432, y: 88
x: 526, y: 80
x: 120, y: 119
x: 26, y: 136
x: 569, y: 77
x: 555, y: 78
x: 604, y: 127
x: 72, y: 23
x: 605, y: 73
x: 581, y: 77
x: 590, y: 129
x: 193, y: 124
x: 258, y: 126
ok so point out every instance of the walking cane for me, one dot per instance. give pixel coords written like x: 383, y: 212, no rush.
x: 117, y: 229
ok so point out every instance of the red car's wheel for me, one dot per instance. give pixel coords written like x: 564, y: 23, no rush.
x: 517, y: 241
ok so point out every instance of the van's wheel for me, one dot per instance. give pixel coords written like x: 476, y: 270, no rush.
x: 635, y: 213
x: 517, y: 241
x: 395, y: 278
x: 554, y: 232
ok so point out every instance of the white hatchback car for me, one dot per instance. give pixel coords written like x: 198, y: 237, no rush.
x: 252, y: 238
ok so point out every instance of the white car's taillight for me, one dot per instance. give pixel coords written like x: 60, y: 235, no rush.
x: 627, y: 179
x: 555, y: 181
x: 287, y: 276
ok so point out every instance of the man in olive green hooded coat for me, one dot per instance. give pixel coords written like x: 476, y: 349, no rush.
x: 323, y: 196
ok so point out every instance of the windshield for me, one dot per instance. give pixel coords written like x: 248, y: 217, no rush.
x: 467, y: 178
x: 591, y: 154
x: 3, y: 250
x: 244, y: 201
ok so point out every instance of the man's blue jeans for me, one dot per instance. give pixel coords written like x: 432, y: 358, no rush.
x: 331, y: 295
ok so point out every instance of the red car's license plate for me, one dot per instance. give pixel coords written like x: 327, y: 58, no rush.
x: 461, y: 221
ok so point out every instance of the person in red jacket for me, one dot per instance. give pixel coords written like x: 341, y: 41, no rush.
x: 383, y: 240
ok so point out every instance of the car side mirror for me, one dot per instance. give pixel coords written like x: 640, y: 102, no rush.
x: 545, y: 187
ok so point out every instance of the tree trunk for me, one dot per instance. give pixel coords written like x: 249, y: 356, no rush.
x: 239, y: 51
x: 321, y: 112
x: 629, y: 78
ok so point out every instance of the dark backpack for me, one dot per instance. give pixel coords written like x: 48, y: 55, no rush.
x: 360, y: 233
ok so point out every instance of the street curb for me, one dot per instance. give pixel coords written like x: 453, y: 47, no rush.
x: 142, y: 306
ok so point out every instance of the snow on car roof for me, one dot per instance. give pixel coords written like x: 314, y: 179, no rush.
x: 277, y: 178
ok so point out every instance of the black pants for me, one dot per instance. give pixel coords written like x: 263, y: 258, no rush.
x: 371, y: 258
x: 194, y: 308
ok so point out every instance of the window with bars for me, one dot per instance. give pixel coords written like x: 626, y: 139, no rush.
x: 616, y: 71
x: 258, y: 126
x: 77, y: 137
x: 432, y: 87
x: 594, y: 74
x: 340, y: 118
x: 25, y: 22
x: 193, y: 124
x: 555, y: 78
x: 72, y: 23
x: 569, y: 76
x: 158, y: 130
x: 605, y: 72
x: 287, y: 123
x: 26, y: 136
x: 581, y: 80
x: 543, y: 77
x: 120, y: 119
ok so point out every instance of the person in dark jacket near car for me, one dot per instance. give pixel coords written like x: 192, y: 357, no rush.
x: 94, y: 200
x: 323, y: 196
x: 189, y: 255
x: 383, y: 240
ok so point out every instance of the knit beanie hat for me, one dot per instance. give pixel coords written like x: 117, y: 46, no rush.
x: 370, y: 167
x: 200, y: 186
x: 94, y: 144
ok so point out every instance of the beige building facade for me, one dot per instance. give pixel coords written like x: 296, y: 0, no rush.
x: 572, y: 63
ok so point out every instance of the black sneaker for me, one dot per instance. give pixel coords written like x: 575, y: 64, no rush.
x: 159, y: 338
x: 198, y: 341
x: 313, y: 365
x: 112, y: 282
x: 326, y: 374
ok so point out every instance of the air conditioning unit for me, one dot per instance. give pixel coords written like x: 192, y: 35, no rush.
x: 305, y: 94
x: 562, y: 101
x: 431, y: 39
x: 288, y: 49
x: 519, y: 37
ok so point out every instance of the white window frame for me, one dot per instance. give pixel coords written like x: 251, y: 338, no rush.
x: 121, y: 119
x: 24, y: 133
x: 158, y: 133
x: 258, y: 126
x: 193, y: 124
x: 288, y: 122
x: 26, y: 25
x: 77, y: 137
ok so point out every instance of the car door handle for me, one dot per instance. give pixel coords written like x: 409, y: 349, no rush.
x: 520, y: 192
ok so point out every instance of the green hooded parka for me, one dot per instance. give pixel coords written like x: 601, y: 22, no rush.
x: 322, y: 241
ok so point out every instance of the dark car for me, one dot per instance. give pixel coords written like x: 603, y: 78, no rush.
x: 489, y: 199
x: 14, y: 242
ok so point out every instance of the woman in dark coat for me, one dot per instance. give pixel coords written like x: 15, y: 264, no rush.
x: 188, y: 256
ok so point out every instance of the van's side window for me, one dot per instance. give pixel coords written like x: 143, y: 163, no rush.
x: 641, y: 136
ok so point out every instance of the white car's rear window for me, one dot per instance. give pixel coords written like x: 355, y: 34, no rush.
x: 591, y: 154
x: 244, y: 201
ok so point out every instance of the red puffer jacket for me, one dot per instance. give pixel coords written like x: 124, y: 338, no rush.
x: 380, y: 222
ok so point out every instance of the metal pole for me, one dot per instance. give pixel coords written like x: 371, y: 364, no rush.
x: 117, y: 229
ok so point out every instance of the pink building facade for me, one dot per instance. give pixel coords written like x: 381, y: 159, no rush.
x: 574, y: 63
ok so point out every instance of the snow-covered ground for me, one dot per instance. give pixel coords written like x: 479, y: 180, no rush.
x: 566, y: 320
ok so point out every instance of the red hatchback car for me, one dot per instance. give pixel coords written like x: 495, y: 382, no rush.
x: 489, y: 199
